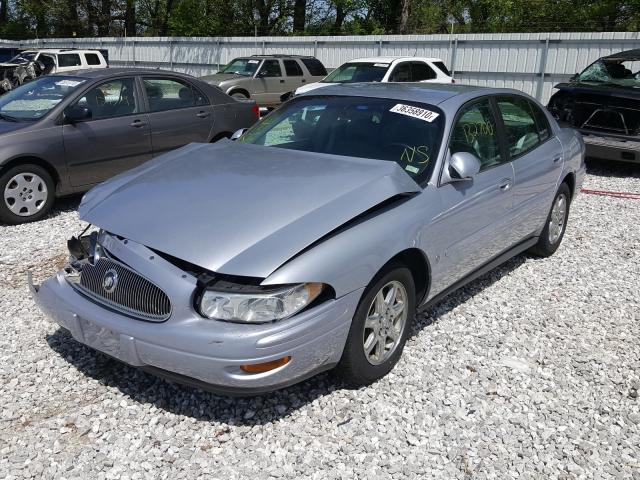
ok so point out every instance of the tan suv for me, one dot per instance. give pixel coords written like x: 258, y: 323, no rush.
x: 266, y: 78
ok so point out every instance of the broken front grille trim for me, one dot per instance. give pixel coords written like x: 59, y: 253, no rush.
x: 133, y: 295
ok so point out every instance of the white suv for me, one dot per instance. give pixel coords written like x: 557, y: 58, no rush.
x: 56, y: 60
x: 385, y: 69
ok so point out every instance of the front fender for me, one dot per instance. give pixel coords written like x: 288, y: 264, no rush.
x: 348, y: 260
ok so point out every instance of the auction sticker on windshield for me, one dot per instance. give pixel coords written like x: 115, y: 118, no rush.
x: 415, y: 112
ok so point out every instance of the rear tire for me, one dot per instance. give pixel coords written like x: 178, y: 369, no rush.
x: 239, y: 96
x: 556, y: 224
x: 26, y: 194
x: 371, y: 350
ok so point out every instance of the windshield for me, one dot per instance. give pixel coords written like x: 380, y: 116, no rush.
x: 624, y: 74
x: 407, y: 133
x: 242, y: 66
x: 357, y: 72
x: 23, y: 57
x: 35, y: 99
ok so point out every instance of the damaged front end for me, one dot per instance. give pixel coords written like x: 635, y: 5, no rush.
x: 14, y: 75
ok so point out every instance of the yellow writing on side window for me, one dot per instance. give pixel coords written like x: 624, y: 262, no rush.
x: 474, y: 130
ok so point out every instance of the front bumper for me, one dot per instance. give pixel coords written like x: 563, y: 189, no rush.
x: 615, y: 149
x: 206, y: 353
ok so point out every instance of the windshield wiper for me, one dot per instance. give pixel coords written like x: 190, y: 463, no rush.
x: 8, y: 118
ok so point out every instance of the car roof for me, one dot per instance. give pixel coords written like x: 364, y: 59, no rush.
x: 392, y: 59
x: 626, y: 55
x: 107, y: 72
x: 432, y: 93
x: 61, y: 50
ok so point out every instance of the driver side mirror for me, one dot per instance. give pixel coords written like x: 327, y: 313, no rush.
x: 77, y: 113
x: 238, y: 133
x: 463, y: 166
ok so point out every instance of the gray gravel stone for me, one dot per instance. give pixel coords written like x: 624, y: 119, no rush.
x: 528, y: 372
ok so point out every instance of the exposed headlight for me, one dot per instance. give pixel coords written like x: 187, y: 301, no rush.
x: 258, y: 305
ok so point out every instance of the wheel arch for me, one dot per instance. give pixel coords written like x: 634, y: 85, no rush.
x: 418, y: 264
x: 33, y: 160
x: 570, y: 180
x: 241, y: 90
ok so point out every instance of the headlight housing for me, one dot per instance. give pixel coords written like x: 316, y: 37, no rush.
x: 243, y: 304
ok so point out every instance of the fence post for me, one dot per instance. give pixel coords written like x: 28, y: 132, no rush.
x: 133, y: 46
x: 380, y: 47
x: 171, y: 54
x: 542, y: 69
x: 315, y: 48
x: 453, y: 57
x: 263, y: 47
x: 219, y: 54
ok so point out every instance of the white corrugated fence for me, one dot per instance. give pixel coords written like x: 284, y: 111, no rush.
x: 532, y: 62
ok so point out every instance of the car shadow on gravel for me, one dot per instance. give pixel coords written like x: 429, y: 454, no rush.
x: 191, y: 402
x: 608, y: 168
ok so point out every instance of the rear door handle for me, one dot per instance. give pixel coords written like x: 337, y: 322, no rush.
x: 505, y: 184
x: 137, y: 124
x: 303, y: 80
x: 202, y: 114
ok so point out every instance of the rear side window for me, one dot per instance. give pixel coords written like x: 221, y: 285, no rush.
x: 170, y: 94
x: 315, y: 67
x: 292, y: 68
x: 421, y: 71
x: 544, y: 130
x: 69, y: 60
x: 443, y: 68
x: 92, y: 58
x: 520, y: 125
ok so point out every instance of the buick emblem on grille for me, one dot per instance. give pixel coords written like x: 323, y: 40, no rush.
x: 110, y: 280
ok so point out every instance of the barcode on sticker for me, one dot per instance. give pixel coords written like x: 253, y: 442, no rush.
x: 415, y: 112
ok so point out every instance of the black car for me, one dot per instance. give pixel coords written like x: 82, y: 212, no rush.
x: 64, y: 133
x: 603, y: 103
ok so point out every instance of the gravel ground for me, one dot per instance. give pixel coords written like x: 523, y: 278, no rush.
x: 530, y: 372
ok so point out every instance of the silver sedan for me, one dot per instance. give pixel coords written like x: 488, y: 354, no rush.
x: 311, y: 241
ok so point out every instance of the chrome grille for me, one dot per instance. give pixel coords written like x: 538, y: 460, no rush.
x: 131, y: 294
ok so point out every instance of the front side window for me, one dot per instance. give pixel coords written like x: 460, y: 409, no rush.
x: 520, y: 126
x: 35, y: 99
x: 292, y: 68
x: 420, y: 71
x: 170, y: 94
x: 475, y: 132
x: 69, y: 60
x: 358, y: 72
x: 115, y: 98
x: 270, y: 68
x: 407, y: 133
x: 401, y: 73
x: 242, y: 66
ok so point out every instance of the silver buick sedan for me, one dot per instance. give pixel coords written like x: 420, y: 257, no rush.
x: 311, y: 241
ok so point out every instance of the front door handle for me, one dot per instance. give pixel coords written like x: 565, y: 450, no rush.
x: 557, y: 159
x: 303, y: 80
x: 137, y: 124
x: 281, y: 81
x: 505, y: 184
x: 202, y: 114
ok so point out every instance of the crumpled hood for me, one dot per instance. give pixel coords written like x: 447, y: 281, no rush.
x: 218, y: 78
x: 240, y: 209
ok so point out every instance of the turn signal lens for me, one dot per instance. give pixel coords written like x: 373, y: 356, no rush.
x: 265, y: 367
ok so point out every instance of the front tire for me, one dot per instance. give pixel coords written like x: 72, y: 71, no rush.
x: 26, y: 194
x: 379, y: 328
x: 239, y: 96
x: 553, y: 232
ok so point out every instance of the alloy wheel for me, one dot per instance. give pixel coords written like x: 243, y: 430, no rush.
x: 558, y: 218
x: 385, y: 322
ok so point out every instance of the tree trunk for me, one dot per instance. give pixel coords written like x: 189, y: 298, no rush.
x: 340, y: 16
x: 299, y: 13
x: 4, y: 11
x: 104, y: 18
x: 165, y: 22
x: 130, y: 18
x: 403, y: 20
